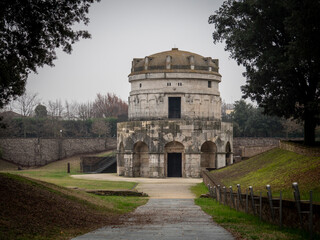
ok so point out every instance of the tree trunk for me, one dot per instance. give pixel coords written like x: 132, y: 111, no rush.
x: 24, y: 127
x: 309, y: 129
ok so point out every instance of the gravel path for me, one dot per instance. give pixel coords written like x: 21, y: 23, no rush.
x: 169, y: 214
x: 154, y: 187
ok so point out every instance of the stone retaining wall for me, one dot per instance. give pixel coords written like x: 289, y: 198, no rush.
x: 37, y: 152
x: 245, y: 147
x: 299, y: 149
x: 41, y: 151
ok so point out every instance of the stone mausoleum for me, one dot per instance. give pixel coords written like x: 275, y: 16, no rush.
x: 174, y: 127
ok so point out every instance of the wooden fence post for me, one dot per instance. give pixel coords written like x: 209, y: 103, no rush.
x: 268, y: 187
x: 252, y: 200
x: 280, y: 209
x: 68, y: 170
x: 260, y: 206
x: 238, y: 196
x: 231, y: 197
x: 296, y: 194
x: 310, y: 216
x: 246, y: 200
x: 239, y: 192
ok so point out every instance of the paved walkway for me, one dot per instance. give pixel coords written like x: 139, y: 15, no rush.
x: 164, y: 217
x: 154, y: 187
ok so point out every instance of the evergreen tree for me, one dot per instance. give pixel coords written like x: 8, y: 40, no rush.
x: 30, y: 31
x: 278, y: 43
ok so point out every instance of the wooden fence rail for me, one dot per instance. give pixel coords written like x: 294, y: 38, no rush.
x: 299, y: 213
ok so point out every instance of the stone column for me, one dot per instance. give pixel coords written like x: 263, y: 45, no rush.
x: 192, y: 165
x: 128, y: 166
x: 154, y: 165
x: 221, y: 160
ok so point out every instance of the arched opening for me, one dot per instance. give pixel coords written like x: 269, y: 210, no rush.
x: 228, y: 154
x: 120, y: 162
x: 208, y: 155
x: 174, y: 159
x: 140, y: 160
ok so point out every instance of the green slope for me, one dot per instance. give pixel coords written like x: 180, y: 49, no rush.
x: 31, y: 209
x: 277, y: 167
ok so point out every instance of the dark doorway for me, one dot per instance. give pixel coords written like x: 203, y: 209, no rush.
x: 174, y: 165
x: 174, y: 107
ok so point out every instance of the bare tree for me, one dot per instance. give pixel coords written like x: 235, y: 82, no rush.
x: 55, y: 108
x: 26, y: 103
x: 70, y: 110
x: 85, y: 111
x: 101, y: 127
x: 109, y: 105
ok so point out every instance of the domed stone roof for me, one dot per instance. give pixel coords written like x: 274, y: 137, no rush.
x: 174, y: 60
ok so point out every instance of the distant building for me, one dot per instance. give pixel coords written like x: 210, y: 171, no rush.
x: 174, y: 127
x: 229, y: 111
x: 10, y: 114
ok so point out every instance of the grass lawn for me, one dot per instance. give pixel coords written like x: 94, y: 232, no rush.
x: 56, y: 173
x: 241, y: 225
x: 54, y: 187
x: 32, y: 209
x: 277, y: 167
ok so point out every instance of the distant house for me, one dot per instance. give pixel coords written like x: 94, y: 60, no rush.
x: 10, y: 114
x: 229, y: 111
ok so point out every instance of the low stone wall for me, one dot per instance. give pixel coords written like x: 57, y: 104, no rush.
x: 290, y: 216
x: 131, y: 193
x: 299, y: 149
x: 245, y: 147
x: 41, y: 151
x: 250, y: 151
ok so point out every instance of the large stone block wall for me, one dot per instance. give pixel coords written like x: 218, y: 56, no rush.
x: 150, y: 92
x: 163, y: 136
x: 193, y: 106
x: 192, y: 133
x: 41, y: 151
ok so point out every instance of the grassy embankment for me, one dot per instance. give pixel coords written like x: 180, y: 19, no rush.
x: 241, y: 225
x: 277, y: 167
x: 66, y: 212
x: 56, y: 173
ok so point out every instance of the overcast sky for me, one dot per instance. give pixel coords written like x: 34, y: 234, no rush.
x: 125, y: 29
